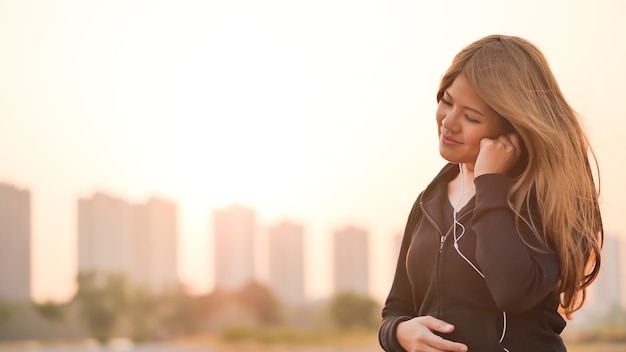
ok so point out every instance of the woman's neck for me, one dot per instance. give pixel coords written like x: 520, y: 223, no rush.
x: 461, y: 188
x: 467, y: 173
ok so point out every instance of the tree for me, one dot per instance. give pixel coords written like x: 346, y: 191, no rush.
x: 144, y: 309
x: 185, y: 314
x: 349, y: 310
x: 5, y: 312
x: 261, y: 302
x: 101, y: 304
x: 51, y: 310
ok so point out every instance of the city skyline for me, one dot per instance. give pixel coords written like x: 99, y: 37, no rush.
x: 156, y: 267
x: 139, y: 240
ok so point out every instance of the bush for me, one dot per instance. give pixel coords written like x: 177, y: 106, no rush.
x: 51, y: 310
x: 351, y: 310
x: 5, y: 312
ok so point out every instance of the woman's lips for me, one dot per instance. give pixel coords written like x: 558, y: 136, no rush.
x: 449, y: 140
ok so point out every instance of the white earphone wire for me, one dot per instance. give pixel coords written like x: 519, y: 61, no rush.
x: 458, y: 238
x: 454, y: 234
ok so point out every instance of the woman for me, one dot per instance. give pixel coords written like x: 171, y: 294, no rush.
x: 507, y: 236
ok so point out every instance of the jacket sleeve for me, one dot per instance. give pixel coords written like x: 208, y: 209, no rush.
x: 517, y: 275
x: 399, y: 305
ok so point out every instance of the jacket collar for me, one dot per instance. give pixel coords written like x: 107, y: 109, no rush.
x: 439, y: 183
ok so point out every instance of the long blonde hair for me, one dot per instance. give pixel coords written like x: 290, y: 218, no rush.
x: 513, y: 77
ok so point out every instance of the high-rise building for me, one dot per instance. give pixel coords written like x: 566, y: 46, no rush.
x: 106, y: 236
x: 286, y: 262
x: 234, y: 229
x: 605, y: 293
x: 137, y: 241
x: 156, y: 246
x: 351, y: 261
x: 15, y: 237
x: 604, y: 296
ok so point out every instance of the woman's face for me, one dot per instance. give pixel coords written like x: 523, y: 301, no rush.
x: 463, y: 119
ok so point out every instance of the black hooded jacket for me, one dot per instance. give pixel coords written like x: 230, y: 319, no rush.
x: 515, y: 299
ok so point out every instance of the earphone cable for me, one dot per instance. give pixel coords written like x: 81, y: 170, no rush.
x: 456, y: 244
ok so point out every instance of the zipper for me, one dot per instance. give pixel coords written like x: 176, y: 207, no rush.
x: 439, y: 256
x: 441, y: 235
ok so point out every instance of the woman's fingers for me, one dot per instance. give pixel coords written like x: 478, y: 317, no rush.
x: 416, y: 335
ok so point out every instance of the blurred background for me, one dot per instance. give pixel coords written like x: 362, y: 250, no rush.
x: 212, y: 171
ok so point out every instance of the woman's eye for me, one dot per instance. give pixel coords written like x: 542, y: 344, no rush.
x: 444, y: 101
x: 471, y: 119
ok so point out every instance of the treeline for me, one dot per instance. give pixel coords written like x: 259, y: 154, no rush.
x: 111, y: 306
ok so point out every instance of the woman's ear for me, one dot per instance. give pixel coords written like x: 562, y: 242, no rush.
x: 522, y: 162
x: 507, y: 127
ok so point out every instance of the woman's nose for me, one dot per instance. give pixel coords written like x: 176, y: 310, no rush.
x: 448, y: 123
x: 451, y: 119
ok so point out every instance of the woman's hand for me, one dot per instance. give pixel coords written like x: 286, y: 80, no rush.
x: 498, y: 156
x: 417, y: 335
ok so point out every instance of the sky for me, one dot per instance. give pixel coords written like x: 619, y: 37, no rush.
x: 318, y: 112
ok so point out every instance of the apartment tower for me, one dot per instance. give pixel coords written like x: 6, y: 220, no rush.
x: 15, y: 237
x: 351, y: 266
x: 286, y: 262
x: 138, y: 241
x: 234, y: 229
x: 156, y: 247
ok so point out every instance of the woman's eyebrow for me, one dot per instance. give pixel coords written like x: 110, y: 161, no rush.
x: 465, y: 106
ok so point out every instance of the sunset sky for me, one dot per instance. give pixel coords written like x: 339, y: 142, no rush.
x: 320, y: 112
